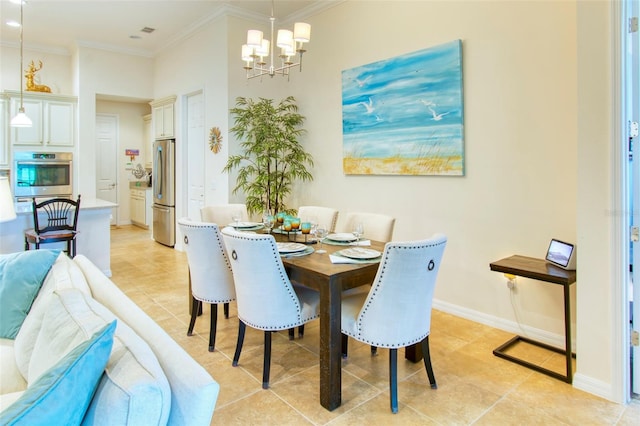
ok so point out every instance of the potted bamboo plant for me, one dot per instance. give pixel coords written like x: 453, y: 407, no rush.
x: 272, y: 157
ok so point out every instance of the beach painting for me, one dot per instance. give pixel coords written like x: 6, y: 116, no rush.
x: 404, y: 115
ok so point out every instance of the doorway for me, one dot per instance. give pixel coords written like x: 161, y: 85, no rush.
x: 106, y: 164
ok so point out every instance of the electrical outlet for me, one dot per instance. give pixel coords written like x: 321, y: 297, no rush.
x: 511, y: 284
x: 635, y: 338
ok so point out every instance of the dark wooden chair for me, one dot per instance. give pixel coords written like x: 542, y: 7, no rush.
x: 61, y: 224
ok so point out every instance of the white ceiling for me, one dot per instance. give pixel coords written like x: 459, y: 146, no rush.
x: 57, y: 26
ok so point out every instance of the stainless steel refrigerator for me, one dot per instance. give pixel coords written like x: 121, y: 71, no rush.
x: 164, y: 194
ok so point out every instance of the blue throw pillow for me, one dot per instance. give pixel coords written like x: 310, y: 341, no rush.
x: 63, y: 394
x: 21, y: 276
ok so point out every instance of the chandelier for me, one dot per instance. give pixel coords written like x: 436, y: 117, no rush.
x: 21, y: 119
x: 257, y: 49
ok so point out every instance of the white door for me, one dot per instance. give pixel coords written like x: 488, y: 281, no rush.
x: 106, y: 164
x: 195, y: 154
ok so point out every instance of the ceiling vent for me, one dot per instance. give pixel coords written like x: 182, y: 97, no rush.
x: 148, y: 30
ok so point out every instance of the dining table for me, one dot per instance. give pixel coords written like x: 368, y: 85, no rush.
x: 316, y: 271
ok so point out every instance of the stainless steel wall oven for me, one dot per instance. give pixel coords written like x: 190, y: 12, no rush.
x: 42, y: 174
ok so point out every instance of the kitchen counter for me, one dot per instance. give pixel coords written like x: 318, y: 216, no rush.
x: 139, y: 184
x: 93, y: 240
x: 25, y: 207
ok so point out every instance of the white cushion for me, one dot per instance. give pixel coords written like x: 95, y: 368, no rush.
x: 68, y: 321
x: 11, y: 379
x: 63, y: 274
x: 6, y: 399
x: 133, y: 390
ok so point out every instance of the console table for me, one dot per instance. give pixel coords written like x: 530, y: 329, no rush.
x: 539, y: 269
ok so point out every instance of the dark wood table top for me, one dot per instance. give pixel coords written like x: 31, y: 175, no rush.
x: 318, y: 265
x: 531, y: 267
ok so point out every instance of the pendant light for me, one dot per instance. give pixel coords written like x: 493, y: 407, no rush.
x: 21, y: 119
x: 257, y: 49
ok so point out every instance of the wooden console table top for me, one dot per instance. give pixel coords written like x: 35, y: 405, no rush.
x: 531, y: 267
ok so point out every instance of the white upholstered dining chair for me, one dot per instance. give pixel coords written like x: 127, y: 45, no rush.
x: 266, y: 299
x: 323, y: 215
x: 222, y: 214
x: 210, y: 273
x: 397, y: 310
x: 378, y: 227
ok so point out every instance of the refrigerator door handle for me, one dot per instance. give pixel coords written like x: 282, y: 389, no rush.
x: 157, y: 176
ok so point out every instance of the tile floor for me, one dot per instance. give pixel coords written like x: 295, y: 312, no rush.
x: 474, y: 386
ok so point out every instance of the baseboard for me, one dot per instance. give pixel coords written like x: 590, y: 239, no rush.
x: 537, y: 334
x: 593, y: 386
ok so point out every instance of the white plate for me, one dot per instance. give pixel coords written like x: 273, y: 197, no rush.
x: 360, y: 253
x: 290, y: 247
x: 342, y: 236
x: 242, y: 225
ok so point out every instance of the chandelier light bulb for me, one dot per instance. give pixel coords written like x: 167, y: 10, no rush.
x: 263, y: 50
x: 247, y: 53
x: 285, y: 38
x: 302, y: 32
x: 254, y: 38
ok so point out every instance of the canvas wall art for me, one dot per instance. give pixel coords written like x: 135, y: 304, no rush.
x: 404, y: 115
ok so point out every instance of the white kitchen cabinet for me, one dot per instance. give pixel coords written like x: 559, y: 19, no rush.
x: 163, y: 117
x: 53, y: 118
x: 141, y: 214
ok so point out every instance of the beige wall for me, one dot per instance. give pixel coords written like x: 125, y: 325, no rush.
x: 198, y: 65
x: 601, y: 286
x: 55, y: 71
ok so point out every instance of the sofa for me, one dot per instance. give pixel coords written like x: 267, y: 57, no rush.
x: 83, y: 353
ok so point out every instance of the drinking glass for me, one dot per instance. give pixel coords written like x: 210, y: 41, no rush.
x: 268, y: 221
x: 236, y: 216
x: 305, y: 228
x: 321, y: 233
x: 358, y: 231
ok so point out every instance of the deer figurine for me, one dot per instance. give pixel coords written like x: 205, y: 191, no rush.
x: 30, y: 76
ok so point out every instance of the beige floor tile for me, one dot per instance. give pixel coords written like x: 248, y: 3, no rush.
x: 507, y: 412
x: 259, y: 408
x: 378, y: 411
x: 631, y: 414
x: 565, y: 403
x: 455, y: 401
x: 302, y: 391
